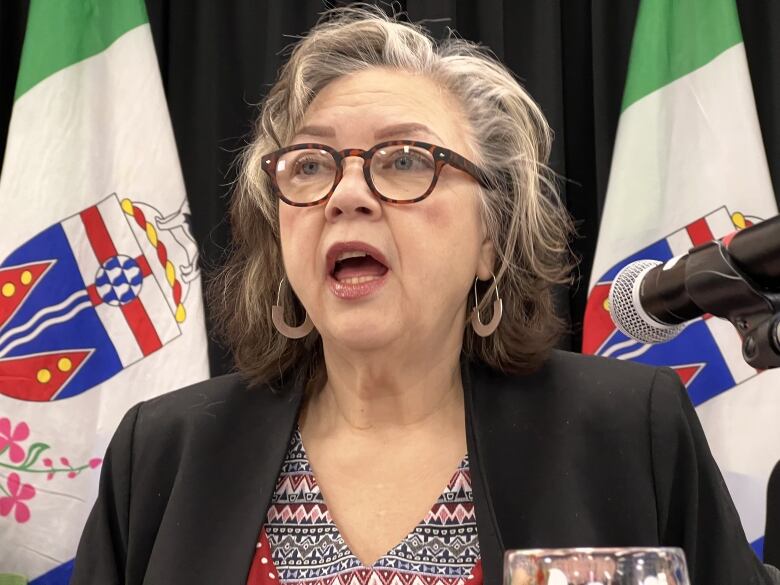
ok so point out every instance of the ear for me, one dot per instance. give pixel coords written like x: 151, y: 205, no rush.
x: 487, y: 260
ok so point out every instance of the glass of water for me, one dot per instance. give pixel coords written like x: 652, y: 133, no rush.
x: 596, y: 566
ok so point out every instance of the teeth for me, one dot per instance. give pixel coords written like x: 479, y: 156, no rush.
x: 358, y: 279
x: 345, y: 255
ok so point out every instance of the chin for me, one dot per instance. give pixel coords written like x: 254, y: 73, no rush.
x: 363, y: 334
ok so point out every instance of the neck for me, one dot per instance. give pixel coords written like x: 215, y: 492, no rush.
x: 384, y: 394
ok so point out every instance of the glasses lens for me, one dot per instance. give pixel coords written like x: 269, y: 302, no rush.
x: 402, y: 172
x: 304, y: 176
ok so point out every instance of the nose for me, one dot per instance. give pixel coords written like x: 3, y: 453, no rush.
x: 352, y: 196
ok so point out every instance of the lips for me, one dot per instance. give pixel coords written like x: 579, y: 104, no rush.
x: 355, y: 269
x: 358, y: 269
x: 347, y: 260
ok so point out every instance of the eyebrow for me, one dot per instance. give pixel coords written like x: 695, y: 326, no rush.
x: 325, y: 131
x: 397, y: 130
x: 393, y: 131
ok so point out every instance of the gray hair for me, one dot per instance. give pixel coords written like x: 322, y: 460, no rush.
x: 529, y: 227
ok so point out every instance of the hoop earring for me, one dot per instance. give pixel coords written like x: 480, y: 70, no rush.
x: 498, y: 311
x: 277, y: 316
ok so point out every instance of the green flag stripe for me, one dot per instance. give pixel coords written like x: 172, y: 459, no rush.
x: 63, y: 32
x: 673, y: 38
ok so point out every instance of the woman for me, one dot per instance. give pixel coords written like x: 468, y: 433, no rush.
x: 382, y: 426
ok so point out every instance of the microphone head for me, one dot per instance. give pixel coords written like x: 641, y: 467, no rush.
x: 625, y: 306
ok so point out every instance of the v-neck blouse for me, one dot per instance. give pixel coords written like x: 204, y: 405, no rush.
x: 300, y: 544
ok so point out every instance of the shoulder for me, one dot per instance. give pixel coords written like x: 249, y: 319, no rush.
x: 579, y: 389
x: 192, y: 431
x: 203, y: 416
x: 220, y: 387
x: 215, y: 397
x: 179, y: 406
x: 181, y: 411
x: 567, y: 368
x: 577, y: 375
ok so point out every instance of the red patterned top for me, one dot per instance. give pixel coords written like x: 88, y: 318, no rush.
x: 300, y: 544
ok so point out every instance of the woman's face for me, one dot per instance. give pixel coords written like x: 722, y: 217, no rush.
x: 430, y: 251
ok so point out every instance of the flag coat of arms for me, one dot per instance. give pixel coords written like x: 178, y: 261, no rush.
x: 689, y: 166
x: 100, y: 300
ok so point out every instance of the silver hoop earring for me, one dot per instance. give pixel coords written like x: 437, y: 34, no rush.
x: 277, y: 316
x: 498, y: 311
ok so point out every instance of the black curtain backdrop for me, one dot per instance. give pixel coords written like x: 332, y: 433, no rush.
x: 219, y: 58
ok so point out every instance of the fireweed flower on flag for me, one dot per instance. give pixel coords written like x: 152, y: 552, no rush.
x: 14, y: 498
x: 11, y: 437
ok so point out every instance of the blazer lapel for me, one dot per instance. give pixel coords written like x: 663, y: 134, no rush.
x: 490, y: 543
x: 226, y: 484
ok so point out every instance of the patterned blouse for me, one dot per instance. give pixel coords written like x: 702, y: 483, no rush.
x: 300, y: 544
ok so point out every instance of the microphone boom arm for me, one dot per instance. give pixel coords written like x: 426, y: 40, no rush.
x: 751, y: 308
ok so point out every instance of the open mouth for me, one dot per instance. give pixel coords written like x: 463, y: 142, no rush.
x: 357, y: 268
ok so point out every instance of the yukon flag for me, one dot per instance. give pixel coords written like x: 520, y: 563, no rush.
x: 100, y: 301
x: 689, y: 166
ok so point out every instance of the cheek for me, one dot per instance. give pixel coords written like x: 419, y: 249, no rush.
x: 289, y: 220
x: 449, y: 235
x: 455, y: 218
x: 286, y: 233
x: 298, y: 234
x: 436, y: 216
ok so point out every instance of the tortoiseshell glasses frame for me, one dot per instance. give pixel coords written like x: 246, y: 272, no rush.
x: 440, y: 157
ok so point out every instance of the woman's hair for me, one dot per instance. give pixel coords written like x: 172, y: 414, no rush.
x: 524, y: 218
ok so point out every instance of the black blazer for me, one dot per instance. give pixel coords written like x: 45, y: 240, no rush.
x: 583, y: 452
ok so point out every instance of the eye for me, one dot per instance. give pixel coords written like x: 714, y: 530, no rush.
x: 406, y: 160
x: 310, y: 165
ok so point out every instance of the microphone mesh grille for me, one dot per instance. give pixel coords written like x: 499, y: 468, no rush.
x: 626, y: 309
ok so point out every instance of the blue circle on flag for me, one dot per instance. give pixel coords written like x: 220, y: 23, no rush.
x: 119, y: 280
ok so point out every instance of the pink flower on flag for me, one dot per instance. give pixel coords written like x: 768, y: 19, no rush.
x: 18, y: 493
x: 10, y: 437
x: 28, y: 459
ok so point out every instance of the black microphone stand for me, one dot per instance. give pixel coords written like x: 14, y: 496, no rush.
x: 718, y: 286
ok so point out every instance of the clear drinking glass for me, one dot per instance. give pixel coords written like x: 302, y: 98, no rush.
x: 596, y: 566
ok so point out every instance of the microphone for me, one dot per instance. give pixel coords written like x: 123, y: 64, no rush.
x: 737, y: 278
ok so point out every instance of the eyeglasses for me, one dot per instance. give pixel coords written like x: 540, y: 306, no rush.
x: 398, y: 171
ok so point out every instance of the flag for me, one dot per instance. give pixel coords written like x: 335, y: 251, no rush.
x: 100, y: 300
x: 689, y: 166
